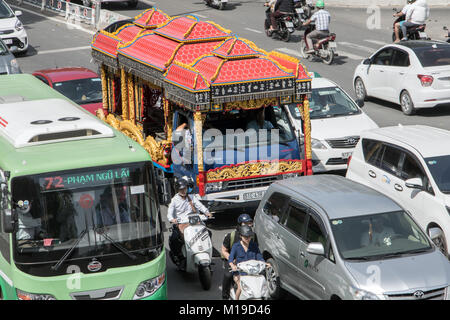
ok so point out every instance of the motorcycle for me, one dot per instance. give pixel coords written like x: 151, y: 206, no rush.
x: 197, y: 249
x: 303, y: 11
x: 254, y: 283
x: 448, y: 34
x: 413, y: 33
x: 324, y: 48
x: 219, y: 4
x: 285, y: 26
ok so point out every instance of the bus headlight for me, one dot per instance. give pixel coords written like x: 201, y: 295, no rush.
x: 214, y: 186
x: 22, y: 295
x: 149, y: 287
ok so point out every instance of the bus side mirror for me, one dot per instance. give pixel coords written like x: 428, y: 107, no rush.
x: 8, y: 220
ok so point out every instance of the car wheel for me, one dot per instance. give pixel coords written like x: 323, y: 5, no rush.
x: 273, y: 280
x: 360, y: 90
x: 406, y: 103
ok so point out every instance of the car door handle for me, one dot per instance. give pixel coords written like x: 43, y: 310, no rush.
x: 401, y: 73
x: 398, y: 187
x: 381, y: 70
x: 372, y: 174
x: 302, y: 254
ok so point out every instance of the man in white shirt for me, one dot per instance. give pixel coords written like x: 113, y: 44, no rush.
x: 417, y: 15
x: 398, y: 25
x: 181, y: 206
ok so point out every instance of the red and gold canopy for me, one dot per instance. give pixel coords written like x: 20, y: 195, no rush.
x: 151, y: 18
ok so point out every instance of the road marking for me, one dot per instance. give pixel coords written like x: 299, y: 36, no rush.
x: 349, y: 55
x: 381, y: 43
x: 356, y: 46
x: 253, y: 30
x: 69, y: 25
x: 64, y: 50
x: 289, y: 51
x: 199, y: 15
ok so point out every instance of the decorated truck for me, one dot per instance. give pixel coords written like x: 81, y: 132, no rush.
x: 206, y: 104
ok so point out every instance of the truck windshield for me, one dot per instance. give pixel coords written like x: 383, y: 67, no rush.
x: 54, y: 209
x: 237, y: 126
x: 378, y: 236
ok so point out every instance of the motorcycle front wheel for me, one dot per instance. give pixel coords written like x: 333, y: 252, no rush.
x: 330, y: 56
x: 303, y: 49
x: 222, y: 5
x: 285, y: 35
x: 204, y: 273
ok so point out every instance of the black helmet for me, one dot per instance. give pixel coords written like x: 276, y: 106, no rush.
x: 246, y: 231
x: 180, y: 184
x: 244, y: 218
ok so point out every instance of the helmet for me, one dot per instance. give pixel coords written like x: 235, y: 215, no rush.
x: 180, y: 184
x: 244, y: 218
x: 320, y: 4
x: 246, y: 231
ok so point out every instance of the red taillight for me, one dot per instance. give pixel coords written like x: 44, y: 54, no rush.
x: 288, y: 18
x: 426, y: 81
x: 348, y: 160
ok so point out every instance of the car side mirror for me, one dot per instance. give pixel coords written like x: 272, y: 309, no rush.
x: 414, y: 183
x: 8, y: 220
x: 367, y: 61
x: 316, y: 248
x: 18, y: 13
x: 360, y: 103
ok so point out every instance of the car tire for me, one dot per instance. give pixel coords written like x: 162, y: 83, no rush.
x: 360, y: 90
x: 406, y: 103
x: 273, y: 280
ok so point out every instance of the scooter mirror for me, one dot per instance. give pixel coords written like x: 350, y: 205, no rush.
x: 445, y: 28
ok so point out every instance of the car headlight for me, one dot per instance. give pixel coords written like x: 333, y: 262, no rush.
x: 360, y: 294
x: 246, y: 289
x: 19, y: 25
x: 22, y: 295
x: 316, y: 144
x: 149, y: 287
x: 214, y: 186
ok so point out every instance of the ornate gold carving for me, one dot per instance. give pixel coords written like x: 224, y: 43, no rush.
x: 131, y: 130
x: 198, y: 123
x: 307, y: 128
x: 156, y: 149
x: 100, y: 114
x: 113, y: 121
x: 131, y: 101
x: 250, y: 104
x: 123, y: 88
x: 104, y: 87
x: 253, y: 169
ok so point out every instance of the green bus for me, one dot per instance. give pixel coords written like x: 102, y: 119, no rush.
x: 80, y: 218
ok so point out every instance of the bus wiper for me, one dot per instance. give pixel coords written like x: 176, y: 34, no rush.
x: 68, y: 252
x: 115, y: 244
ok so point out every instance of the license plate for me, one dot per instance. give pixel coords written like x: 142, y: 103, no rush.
x: 289, y: 24
x: 223, y: 1
x: 332, y: 44
x: 346, y: 155
x: 255, y: 195
x: 8, y: 41
x: 422, y: 35
x: 299, y: 10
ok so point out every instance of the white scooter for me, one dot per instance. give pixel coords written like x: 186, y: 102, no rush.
x: 219, y: 4
x: 197, y: 249
x: 254, y: 283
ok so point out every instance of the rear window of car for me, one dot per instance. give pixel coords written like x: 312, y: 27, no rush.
x: 434, y: 56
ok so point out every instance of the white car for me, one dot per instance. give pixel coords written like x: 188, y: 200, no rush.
x: 336, y: 121
x: 410, y: 164
x: 414, y: 74
x: 12, y: 31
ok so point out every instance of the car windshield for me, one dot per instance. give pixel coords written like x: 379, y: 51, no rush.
x: 238, y: 127
x: 327, y: 103
x: 378, y: 236
x: 5, y: 11
x: 81, y: 91
x: 54, y: 209
x: 434, y: 56
x: 440, y: 170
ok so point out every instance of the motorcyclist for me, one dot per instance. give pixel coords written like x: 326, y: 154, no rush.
x: 416, y: 16
x: 402, y: 13
x: 181, y: 205
x: 322, y: 20
x: 244, y: 250
x: 228, y: 242
x: 281, y: 8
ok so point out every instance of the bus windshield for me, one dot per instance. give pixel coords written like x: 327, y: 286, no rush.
x: 95, y: 206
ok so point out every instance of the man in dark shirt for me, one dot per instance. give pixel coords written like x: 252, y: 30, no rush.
x: 230, y: 239
x: 282, y: 7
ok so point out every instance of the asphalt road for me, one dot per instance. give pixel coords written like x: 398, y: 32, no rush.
x: 55, y: 44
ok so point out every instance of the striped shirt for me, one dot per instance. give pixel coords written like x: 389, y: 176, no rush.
x: 322, y: 19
